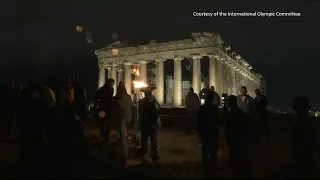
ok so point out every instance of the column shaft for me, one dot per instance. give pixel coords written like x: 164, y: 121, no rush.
x: 213, y: 80
x: 229, y: 79
x: 233, y: 82
x: 120, y: 76
x: 143, y: 71
x: 220, y: 78
x: 102, y: 77
x: 114, y: 76
x: 225, y: 78
x: 160, y: 82
x: 127, y: 78
x: 177, y: 78
x: 196, y: 77
x: 109, y: 72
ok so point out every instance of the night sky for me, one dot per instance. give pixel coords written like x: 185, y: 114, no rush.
x: 39, y: 37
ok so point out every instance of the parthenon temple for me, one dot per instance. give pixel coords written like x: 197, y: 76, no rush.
x: 228, y: 71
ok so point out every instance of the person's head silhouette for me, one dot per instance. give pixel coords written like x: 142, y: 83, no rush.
x: 232, y: 101
x: 301, y: 105
x: 243, y: 90
x: 209, y: 97
x: 258, y: 92
x: 191, y: 90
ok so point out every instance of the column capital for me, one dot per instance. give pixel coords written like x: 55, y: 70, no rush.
x: 177, y: 59
x: 143, y: 62
x: 128, y: 64
x: 219, y: 59
x: 113, y: 65
x: 160, y: 59
x: 196, y: 57
x: 101, y: 65
x: 119, y: 70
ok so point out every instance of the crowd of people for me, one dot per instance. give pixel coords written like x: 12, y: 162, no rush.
x: 245, y: 119
x: 53, y: 115
x: 45, y: 114
x: 119, y: 108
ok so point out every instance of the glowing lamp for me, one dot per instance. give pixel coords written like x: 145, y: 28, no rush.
x: 115, y: 52
x: 79, y: 28
x: 139, y: 84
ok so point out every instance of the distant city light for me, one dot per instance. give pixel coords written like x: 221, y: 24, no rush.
x: 89, y: 37
x: 79, y: 28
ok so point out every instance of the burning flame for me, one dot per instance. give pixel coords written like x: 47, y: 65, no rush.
x: 139, y: 84
x: 135, y: 70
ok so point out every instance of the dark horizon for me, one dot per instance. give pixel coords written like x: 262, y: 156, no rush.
x: 283, y: 49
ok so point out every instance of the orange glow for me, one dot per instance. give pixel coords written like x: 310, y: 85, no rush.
x: 115, y: 52
x: 79, y: 28
x: 135, y: 70
x: 139, y: 84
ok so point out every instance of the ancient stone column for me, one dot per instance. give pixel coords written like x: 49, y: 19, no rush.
x: 229, y: 79
x: 120, y: 76
x: 213, y: 65
x: 225, y: 78
x: 196, y: 77
x: 233, y: 82
x: 177, y: 78
x: 160, y: 81
x: 102, y: 77
x: 220, y: 79
x: 114, y: 76
x: 127, y: 77
x: 109, y: 72
x: 136, y: 91
x: 143, y: 71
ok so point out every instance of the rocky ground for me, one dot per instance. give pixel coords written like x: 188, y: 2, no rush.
x: 180, y: 155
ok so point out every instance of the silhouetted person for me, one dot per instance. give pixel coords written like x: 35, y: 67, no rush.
x: 202, y: 93
x: 247, y: 104
x: 123, y: 117
x: 148, y: 118
x: 80, y: 99
x: 238, y: 138
x: 48, y: 95
x: 261, y: 104
x: 30, y: 125
x: 209, y: 133
x: 303, y: 135
x: 216, y: 97
x: 63, y: 133
x: 80, y: 104
x: 9, y: 109
x: 192, y: 105
x: 104, y: 105
x: 121, y: 83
